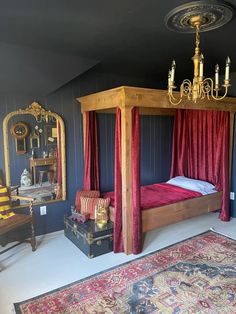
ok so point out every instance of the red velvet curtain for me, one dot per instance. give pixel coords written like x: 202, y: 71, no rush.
x: 59, y: 168
x: 136, y: 213
x: 118, y: 238
x: 91, y: 166
x: 201, y: 149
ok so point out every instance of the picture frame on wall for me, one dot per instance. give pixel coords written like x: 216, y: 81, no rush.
x: 54, y: 132
x: 19, y: 131
x: 34, y: 140
x: 49, y: 135
x: 20, y: 146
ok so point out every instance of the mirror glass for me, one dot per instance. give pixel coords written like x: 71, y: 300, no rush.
x: 34, y: 152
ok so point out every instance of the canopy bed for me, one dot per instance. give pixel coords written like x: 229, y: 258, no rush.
x: 129, y: 102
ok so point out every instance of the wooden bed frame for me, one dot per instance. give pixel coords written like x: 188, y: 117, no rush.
x: 168, y: 214
x: 152, y: 102
x: 161, y: 216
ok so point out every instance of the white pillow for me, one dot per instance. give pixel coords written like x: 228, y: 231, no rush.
x: 200, y: 186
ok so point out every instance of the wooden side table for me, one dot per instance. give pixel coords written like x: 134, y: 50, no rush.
x: 37, y: 162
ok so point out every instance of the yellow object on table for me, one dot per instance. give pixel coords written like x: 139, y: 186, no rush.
x: 101, y: 216
x: 5, y: 206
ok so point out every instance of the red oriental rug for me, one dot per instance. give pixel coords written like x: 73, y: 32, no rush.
x: 197, y: 275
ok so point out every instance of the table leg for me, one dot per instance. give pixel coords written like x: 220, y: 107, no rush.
x: 35, y: 176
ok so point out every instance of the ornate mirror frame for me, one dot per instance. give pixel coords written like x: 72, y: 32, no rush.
x: 36, y: 110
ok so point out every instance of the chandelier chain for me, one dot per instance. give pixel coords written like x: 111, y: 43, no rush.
x: 197, y: 37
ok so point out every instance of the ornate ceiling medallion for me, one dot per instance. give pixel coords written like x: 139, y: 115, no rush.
x: 214, y: 14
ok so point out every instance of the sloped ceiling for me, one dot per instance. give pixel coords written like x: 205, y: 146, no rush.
x: 37, y: 72
x: 44, y: 44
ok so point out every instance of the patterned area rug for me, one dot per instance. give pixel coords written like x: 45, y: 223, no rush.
x: 197, y: 275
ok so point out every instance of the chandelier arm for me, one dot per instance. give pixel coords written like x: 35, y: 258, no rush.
x: 210, y: 89
x: 221, y: 97
x: 174, y: 101
x: 207, y: 80
x: 173, y: 97
x: 185, y: 88
x: 202, y: 94
x: 207, y: 86
x: 187, y: 81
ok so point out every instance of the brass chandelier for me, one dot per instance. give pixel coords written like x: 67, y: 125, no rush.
x: 199, y: 87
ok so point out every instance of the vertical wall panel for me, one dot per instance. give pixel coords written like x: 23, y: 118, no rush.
x: 156, y: 142
x: 106, y: 141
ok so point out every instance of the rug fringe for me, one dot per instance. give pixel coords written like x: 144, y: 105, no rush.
x: 223, y: 234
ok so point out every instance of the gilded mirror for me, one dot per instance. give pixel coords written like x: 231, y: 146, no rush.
x: 34, y: 153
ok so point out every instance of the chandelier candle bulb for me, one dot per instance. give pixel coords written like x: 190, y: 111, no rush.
x: 201, y: 65
x: 217, y: 70
x: 169, y: 78
x: 227, y: 69
x: 173, y: 66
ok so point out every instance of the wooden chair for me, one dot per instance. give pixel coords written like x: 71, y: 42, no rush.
x: 11, y: 220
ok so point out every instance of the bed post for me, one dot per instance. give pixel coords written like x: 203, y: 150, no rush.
x: 231, y: 139
x: 84, y: 128
x: 126, y: 141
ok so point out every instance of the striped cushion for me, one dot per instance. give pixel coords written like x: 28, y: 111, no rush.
x: 88, y: 205
x: 84, y: 194
x: 5, y: 203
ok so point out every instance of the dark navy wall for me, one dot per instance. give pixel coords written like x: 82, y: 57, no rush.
x: 106, y: 141
x: 63, y: 102
x: 155, y: 144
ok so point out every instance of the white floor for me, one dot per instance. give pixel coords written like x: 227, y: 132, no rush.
x: 58, y: 262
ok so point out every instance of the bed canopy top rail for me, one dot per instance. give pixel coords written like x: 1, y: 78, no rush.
x: 127, y: 96
x: 144, y: 111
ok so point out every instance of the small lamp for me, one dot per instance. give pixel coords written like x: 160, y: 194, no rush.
x: 101, y: 216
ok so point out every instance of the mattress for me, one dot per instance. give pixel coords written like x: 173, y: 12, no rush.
x: 160, y: 194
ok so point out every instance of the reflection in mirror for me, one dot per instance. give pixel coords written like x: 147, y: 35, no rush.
x: 34, y: 152
x: 20, y: 146
x: 34, y: 140
x: 19, y: 132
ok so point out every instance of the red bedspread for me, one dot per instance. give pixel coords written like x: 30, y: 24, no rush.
x: 159, y: 194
